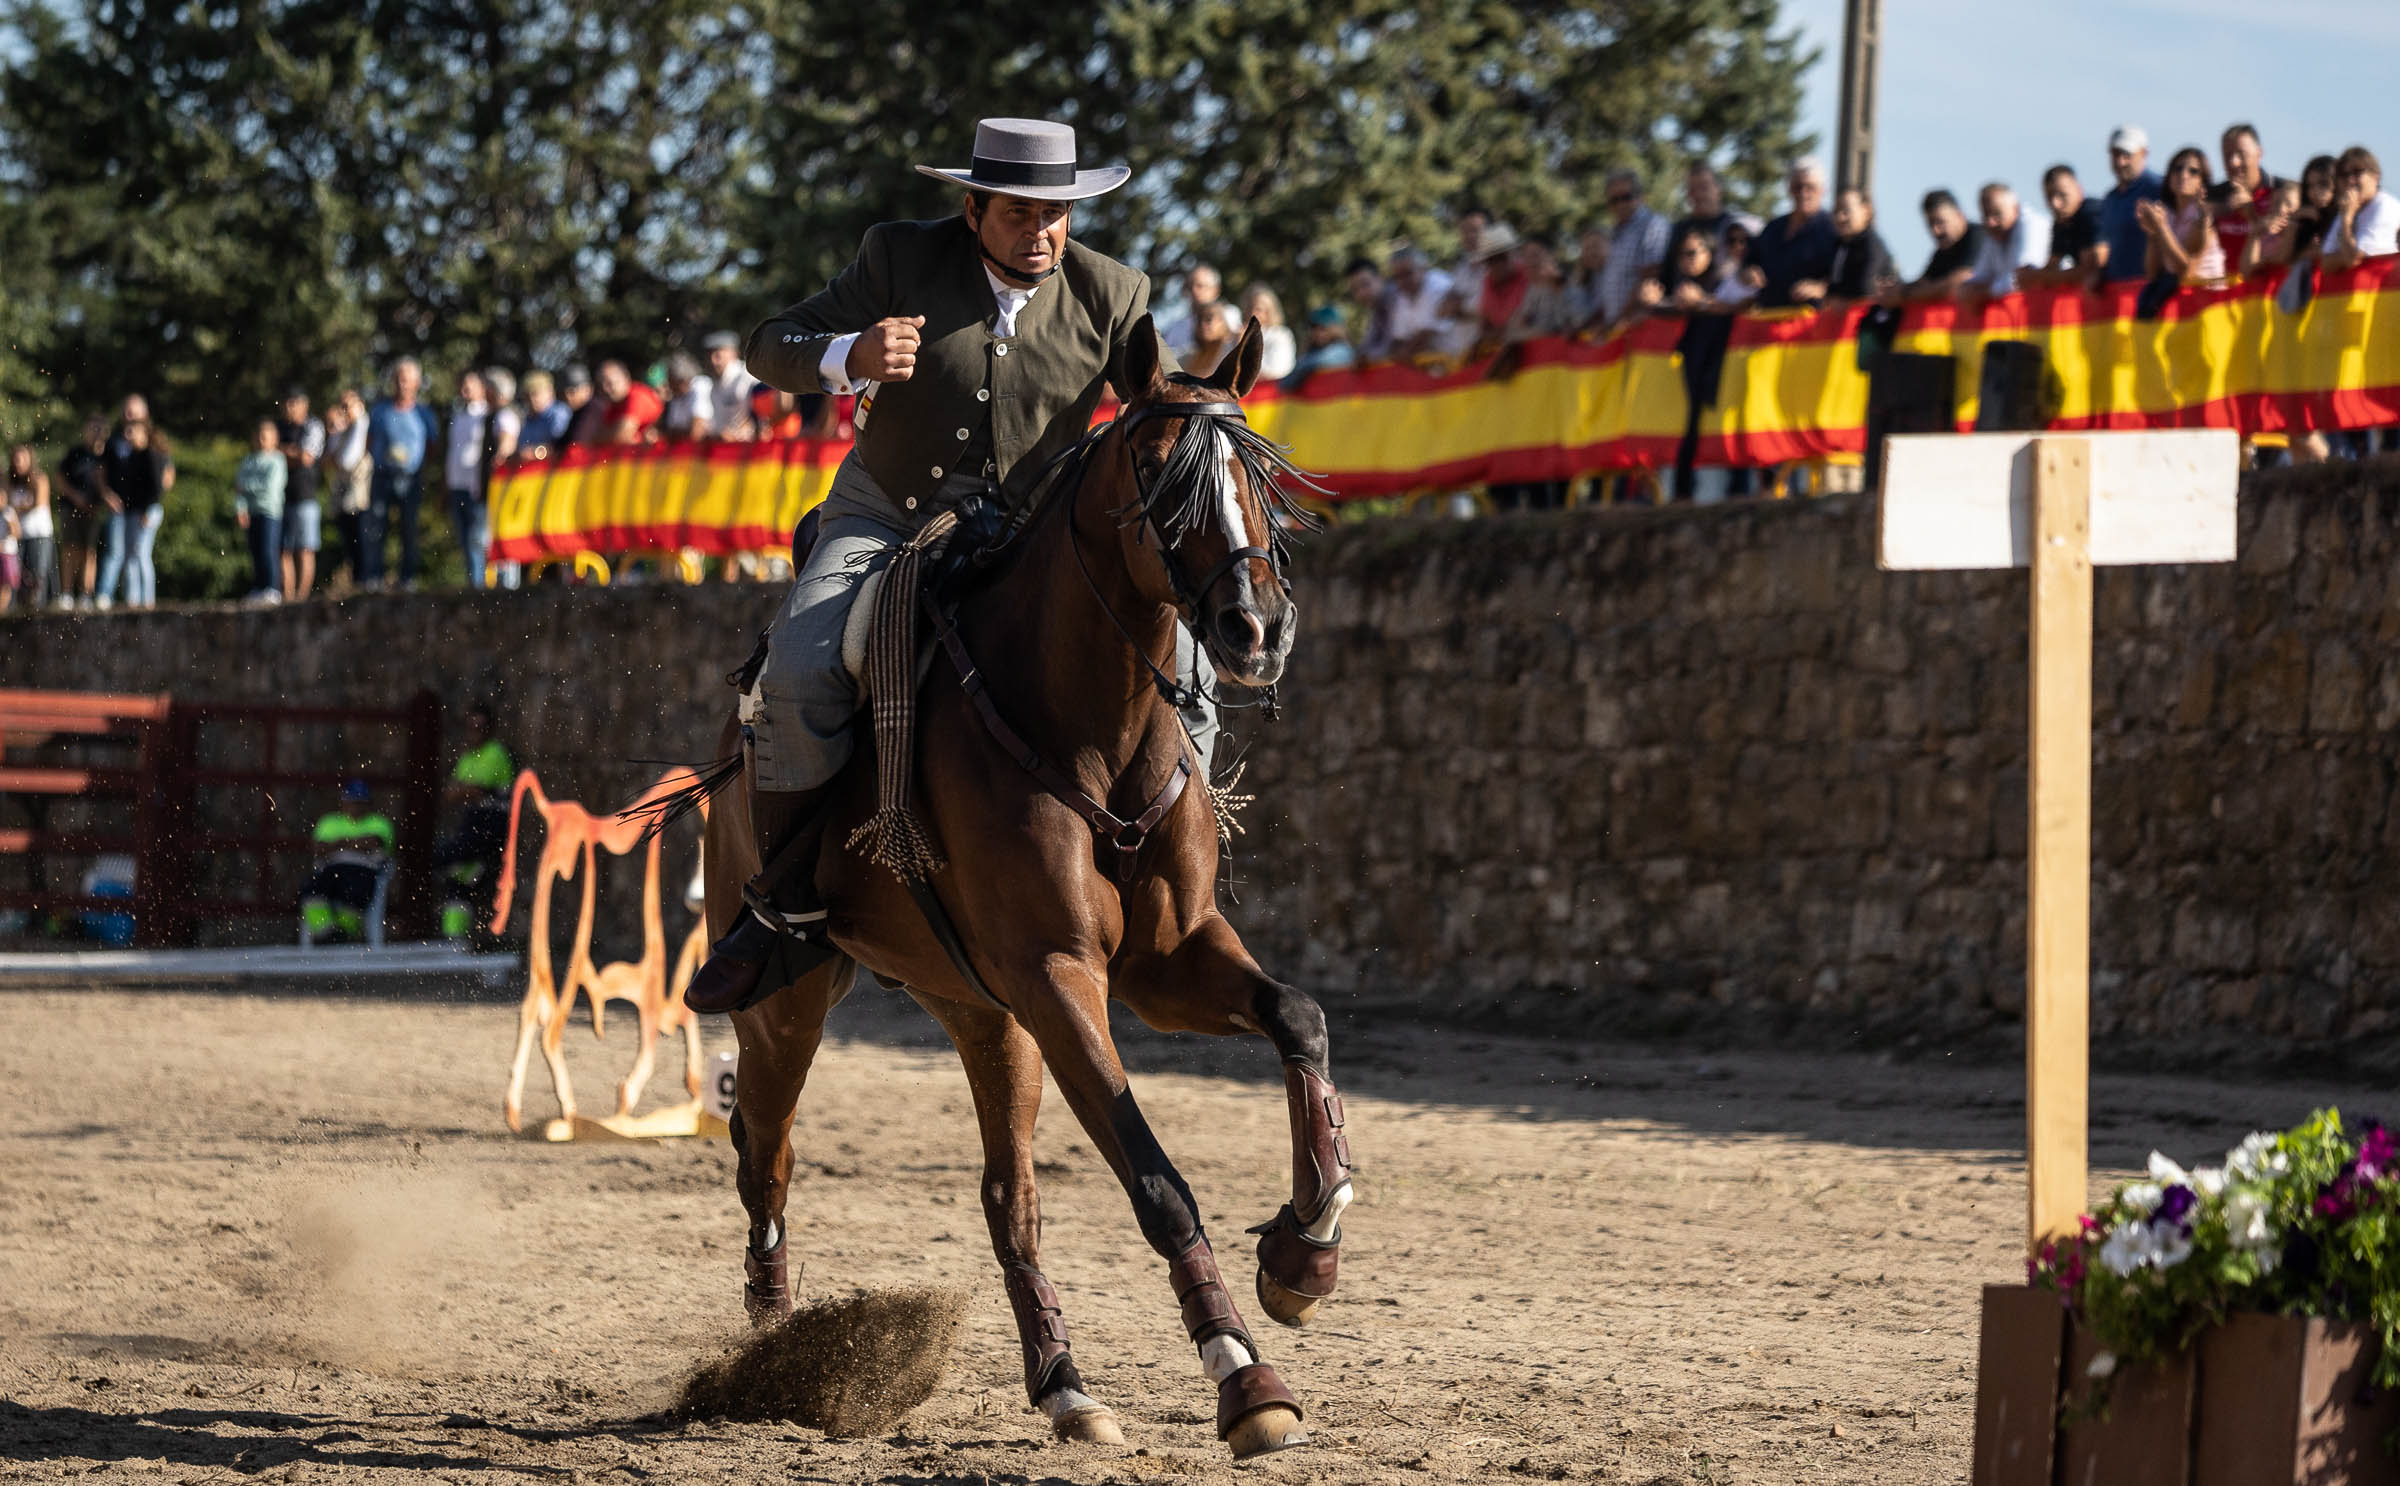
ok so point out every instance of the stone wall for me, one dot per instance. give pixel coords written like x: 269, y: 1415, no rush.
x: 1635, y: 769
x: 1712, y: 768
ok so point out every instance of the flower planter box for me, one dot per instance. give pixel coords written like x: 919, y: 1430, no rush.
x: 2262, y: 1401
x: 2285, y: 1399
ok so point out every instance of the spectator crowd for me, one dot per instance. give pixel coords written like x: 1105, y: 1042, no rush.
x: 83, y: 534
x: 355, y: 479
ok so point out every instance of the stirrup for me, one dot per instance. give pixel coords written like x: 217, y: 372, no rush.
x: 807, y: 926
x: 765, y: 951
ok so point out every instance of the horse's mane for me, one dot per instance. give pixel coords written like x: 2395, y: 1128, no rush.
x: 1180, y: 497
x: 1178, y: 500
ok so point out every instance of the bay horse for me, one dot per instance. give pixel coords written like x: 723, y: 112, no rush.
x: 1167, y: 512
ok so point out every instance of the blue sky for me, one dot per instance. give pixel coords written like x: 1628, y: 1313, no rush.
x: 1982, y: 92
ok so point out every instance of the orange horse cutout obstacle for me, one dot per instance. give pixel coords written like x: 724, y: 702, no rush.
x: 570, y: 837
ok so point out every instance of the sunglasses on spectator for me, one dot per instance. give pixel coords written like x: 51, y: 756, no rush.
x: 1620, y: 198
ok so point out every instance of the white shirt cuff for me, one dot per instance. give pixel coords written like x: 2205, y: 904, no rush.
x: 834, y: 369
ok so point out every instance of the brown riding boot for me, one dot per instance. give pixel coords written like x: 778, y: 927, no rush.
x: 782, y: 927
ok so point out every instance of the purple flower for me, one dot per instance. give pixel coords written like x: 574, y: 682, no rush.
x: 2375, y: 1152
x: 2378, y: 1153
x: 2174, y: 1204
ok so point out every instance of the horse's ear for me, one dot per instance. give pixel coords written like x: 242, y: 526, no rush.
x: 1238, y: 372
x: 1143, y: 356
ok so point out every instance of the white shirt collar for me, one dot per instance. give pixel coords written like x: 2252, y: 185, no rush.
x: 1011, y: 300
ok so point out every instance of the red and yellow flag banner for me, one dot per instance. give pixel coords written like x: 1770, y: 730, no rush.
x: 1792, y: 388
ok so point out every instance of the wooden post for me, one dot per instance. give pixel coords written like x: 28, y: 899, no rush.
x: 2058, y: 842
x: 2058, y: 505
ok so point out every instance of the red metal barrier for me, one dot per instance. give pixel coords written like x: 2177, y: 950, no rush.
x: 168, y: 843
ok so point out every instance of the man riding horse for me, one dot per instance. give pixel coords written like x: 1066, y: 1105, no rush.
x: 1036, y: 855
x: 979, y: 345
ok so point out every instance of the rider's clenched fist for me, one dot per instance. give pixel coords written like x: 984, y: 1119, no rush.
x: 885, y: 351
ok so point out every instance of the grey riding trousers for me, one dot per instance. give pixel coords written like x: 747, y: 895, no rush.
x: 807, y: 700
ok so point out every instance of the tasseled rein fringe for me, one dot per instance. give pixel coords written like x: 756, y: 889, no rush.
x: 1228, y: 806
x: 892, y: 836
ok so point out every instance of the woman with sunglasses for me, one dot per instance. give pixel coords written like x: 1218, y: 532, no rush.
x: 2181, y: 225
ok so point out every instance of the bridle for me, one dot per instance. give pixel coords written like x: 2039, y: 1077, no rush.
x: 1188, y: 596
x: 1144, y: 510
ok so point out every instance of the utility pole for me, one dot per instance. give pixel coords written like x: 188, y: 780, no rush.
x: 1862, y: 47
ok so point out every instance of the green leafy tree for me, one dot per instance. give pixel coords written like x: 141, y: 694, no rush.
x: 208, y: 204
x: 864, y: 93
x: 236, y: 198
x: 1298, y: 133
x: 1275, y: 138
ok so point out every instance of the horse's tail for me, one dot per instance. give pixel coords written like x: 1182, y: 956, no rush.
x: 505, y: 898
x: 658, y: 809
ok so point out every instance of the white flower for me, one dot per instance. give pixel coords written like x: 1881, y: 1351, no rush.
x: 2209, y: 1181
x: 2166, y: 1173
x: 2102, y: 1365
x: 2170, y: 1248
x: 2142, y: 1198
x: 2257, y: 1157
x: 2246, y: 1225
x: 2140, y: 1243
x: 2126, y: 1249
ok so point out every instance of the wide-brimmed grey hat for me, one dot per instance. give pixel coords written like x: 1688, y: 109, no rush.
x: 1032, y: 158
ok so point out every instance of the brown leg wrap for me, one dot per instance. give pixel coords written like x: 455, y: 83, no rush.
x: 1320, y: 1164
x: 1042, y: 1331
x: 767, y: 1285
x: 1248, y: 1390
x: 1207, y: 1305
x: 1294, y: 1260
x: 1320, y: 1151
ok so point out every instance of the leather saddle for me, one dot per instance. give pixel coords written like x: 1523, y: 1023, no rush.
x: 958, y: 564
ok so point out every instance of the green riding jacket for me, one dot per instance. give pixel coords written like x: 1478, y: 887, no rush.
x: 973, y: 395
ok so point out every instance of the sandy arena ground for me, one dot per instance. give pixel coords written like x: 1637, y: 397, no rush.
x: 287, y: 1238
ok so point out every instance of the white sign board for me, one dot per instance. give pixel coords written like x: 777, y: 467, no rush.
x: 718, y: 1090
x: 1953, y: 500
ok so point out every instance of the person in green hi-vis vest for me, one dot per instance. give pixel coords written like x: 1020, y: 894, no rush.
x: 470, y: 859
x: 342, y: 888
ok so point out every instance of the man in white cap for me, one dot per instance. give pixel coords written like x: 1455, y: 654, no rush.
x: 983, y: 342
x: 2120, y: 253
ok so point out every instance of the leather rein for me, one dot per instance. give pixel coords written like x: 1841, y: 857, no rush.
x: 1118, y: 839
x: 1122, y: 839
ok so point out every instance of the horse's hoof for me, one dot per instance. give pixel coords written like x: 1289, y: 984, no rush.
x: 1286, y: 1307
x: 1265, y: 1431
x: 1096, y: 1425
x: 766, y: 1310
x: 514, y: 1116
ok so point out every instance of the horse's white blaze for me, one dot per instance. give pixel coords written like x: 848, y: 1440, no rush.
x: 1229, y: 495
x: 1329, y: 1222
x: 1060, y: 1402
x: 1223, y: 1356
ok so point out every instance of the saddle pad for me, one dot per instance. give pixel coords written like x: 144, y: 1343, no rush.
x: 860, y: 623
x: 857, y: 625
